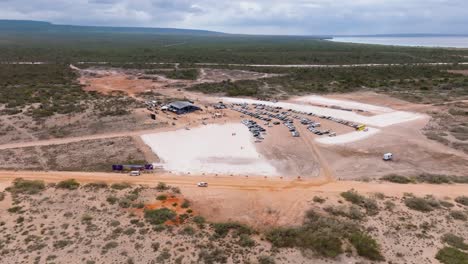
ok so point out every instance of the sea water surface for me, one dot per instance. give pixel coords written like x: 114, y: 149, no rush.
x: 446, y: 42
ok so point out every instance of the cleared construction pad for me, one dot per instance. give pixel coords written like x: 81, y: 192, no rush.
x: 211, y: 149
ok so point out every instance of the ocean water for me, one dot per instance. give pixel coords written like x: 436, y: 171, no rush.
x: 446, y: 42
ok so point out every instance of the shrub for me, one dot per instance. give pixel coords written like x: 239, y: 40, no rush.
x: 396, y: 179
x: 462, y: 200
x: 454, y: 241
x: 121, y: 185
x: 21, y: 186
x: 159, y: 216
x: 112, y: 199
x: 188, y: 230
x: 458, y: 215
x: 96, y: 185
x: 109, y: 245
x: 449, y: 255
x: 246, y: 241
x: 86, y: 218
x: 161, y: 197
x: 185, y: 204
x: 265, y: 260
x: 62, y: 243
x: 15, y: 209
x: 2, y: 196
x: 70, y: 184
x: 162, y: 186
x: 199, y: 220
x: 433, y: 178
x: 367, y: 203
x: 366, y: 246
x: 213, y: 256
x: 222, y: 229
x: 418, y: 204
x: 318, y: 199
x: 125, y: 203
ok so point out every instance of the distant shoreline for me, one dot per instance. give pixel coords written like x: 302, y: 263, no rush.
x: 459, y: 42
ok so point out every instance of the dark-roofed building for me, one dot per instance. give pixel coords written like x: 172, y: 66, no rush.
x: 182, y: 107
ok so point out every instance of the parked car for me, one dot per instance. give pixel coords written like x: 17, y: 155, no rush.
x: 202, y: 184
x: 135, y: 173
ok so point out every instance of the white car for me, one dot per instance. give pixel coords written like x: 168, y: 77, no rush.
x: 202, y: 184
x: 135, y: 173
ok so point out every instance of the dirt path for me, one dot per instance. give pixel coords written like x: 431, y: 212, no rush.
x: 59, y: 141
x: 259, y: 202
x: 37, y: 149
x: 325, y: 169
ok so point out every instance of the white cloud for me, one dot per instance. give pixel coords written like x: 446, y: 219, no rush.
x: 254, y: 16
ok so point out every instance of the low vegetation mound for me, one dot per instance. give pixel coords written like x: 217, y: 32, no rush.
x: 462, y: 200
x: 70, y: 184
x: 367, y: 203
x: 160, y: 216
x: 325, y: 236
x: 425, y: 204
x: 21, y: 186
x: 425, y: 178
x: 450, y: 255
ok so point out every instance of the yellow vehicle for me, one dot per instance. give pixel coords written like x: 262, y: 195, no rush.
x: 361, y: 128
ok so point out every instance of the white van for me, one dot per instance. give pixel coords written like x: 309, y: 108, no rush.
x: 135, y: 173
x: 387, y: 156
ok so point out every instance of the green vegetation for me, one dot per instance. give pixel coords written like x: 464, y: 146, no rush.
x: 325, y: 236
x: 449, y: 255
x: 96, y: 185
x: 459, y: 215
x: 425, y: 204
x: 161, y: 197
x: 462, y: 200
x: 396, y: 179
x: 425, y: 178
x: 162, y: 187
x: 222, y: 229
x: 411, y: 83
x: 364, y: 202
x: 366, y: 246
x: 185, y: 204
x: 70, y: 184
x: 140, y: 48
x: 239, y: 88
x: 121, y: 185
x: 21, y: 186
x: 43, y: 90
x: 454, y: 241
x: 318, y: 199
x: 159, y: 216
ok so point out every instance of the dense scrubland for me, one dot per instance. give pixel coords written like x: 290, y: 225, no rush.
x: 140, y: 48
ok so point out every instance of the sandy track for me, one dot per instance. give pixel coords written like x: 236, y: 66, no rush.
x: 259, y: 202
x: 242, y: 183
x: 59, y: 141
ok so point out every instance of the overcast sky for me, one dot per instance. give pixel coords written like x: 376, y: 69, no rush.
x: 306, y: 17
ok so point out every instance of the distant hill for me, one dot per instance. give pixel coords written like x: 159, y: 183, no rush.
x: 418, y: 35
x: 41, y: 26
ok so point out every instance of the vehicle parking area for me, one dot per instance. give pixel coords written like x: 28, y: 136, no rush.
x: 260, y: 118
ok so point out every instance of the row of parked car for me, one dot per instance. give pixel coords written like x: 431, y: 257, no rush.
x: 254, y: 128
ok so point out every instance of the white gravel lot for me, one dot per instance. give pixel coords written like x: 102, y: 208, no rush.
x: 210, y: 149
x: 348, y: 137
x: 320, y: 100
x: 381, y: 120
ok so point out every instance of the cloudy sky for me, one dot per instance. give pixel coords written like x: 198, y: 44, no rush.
x: 306, y: 17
